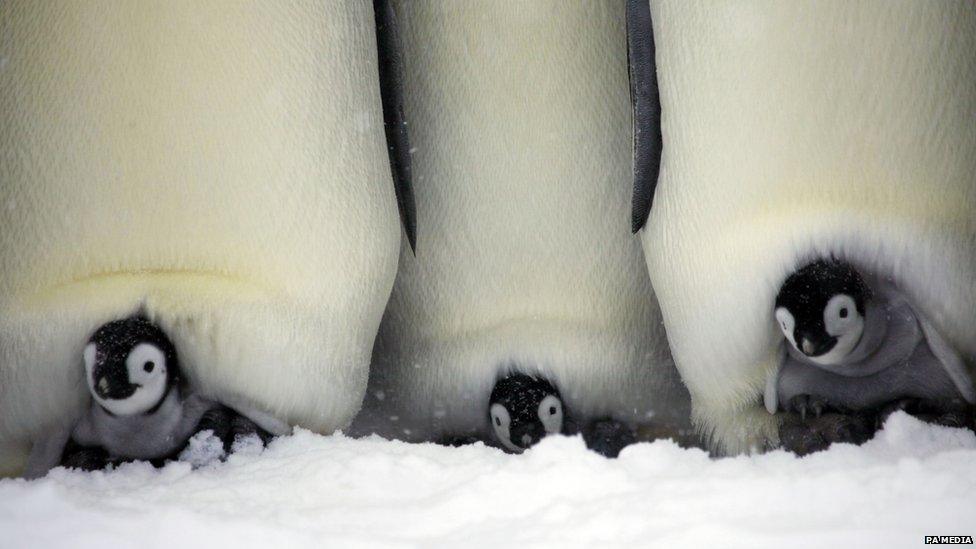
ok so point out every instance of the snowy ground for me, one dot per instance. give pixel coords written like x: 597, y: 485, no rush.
x: 306, y: 490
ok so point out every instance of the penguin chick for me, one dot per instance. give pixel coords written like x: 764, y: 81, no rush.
x: 523, y: 409
x: 854, y: 346
x: 139, y: 409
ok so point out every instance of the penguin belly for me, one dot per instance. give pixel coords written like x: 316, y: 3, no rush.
x: 520, y: 119
x: 219, y: 167
x: 797, y: 131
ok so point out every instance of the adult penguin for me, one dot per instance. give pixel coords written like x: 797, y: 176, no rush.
x: 796, y: 132
x: 520, y: 125
x: 219, y: 168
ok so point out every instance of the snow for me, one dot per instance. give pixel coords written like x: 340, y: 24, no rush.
x: 307, y: 490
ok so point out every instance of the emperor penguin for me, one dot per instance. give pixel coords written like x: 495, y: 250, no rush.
x: 796, y: 131
x: 217, y: 167
x: 519, y: 122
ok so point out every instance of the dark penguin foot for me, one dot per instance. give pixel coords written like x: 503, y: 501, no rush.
x: 951, y: 415
x: 84, y: 458
x: 458, y: 440
x: 608, y: 437
x: 817, y: 433
x: 229, y: 427
x: 808, y: 405
x: 954, y: 418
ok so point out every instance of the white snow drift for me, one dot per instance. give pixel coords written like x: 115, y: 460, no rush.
x: 305, y: 490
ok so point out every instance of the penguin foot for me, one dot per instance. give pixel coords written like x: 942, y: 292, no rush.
x: 807, y: 405
x: 84, y: 458
x: 608, y: 437
x: 952, y: 415
x: 457, y: 441
x: 804, y: 437
x: 953, y: 418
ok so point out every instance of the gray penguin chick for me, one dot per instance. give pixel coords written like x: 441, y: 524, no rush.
x: 851, y: 346
x: 139, y: 409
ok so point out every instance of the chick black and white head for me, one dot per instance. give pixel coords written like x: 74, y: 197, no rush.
x: 523, y: 409
x: 821, y: 309
x: 130, y: 366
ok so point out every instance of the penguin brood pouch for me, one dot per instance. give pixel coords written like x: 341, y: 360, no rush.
x: 801, y: 131
x: 154, y: 161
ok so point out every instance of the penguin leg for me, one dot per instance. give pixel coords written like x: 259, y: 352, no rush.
x: 608, y: 437
x: 817, y: 433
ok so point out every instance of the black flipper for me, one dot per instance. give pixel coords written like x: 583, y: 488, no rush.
x: 242, y: 427
x: 228, y: 426
x: 647, y: 109
x: 390, y: 59
x: 218, y: 421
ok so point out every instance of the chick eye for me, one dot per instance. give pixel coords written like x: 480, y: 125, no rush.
x: 843, y: 312
x: 498, y: 422
x: 550, y: 413
x: 143, y: 359
x: 785, y: 320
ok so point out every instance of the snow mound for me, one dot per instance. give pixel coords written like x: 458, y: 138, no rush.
x: 306, y: 490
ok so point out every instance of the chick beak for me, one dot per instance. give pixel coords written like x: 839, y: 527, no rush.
x: 112, y: 383
x: 812, y: 345
x: 807, y: 347
x: 102, y: 387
